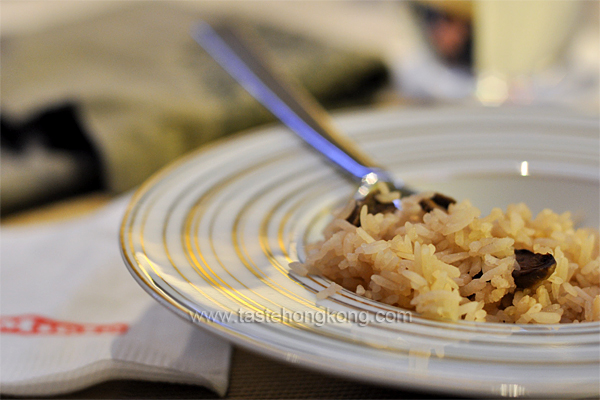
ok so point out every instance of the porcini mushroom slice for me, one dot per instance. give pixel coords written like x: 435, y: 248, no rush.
x: 532, y: 268
x: 436, y: 201
x: 373, y: 206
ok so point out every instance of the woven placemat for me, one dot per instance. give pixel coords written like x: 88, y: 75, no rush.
x: 257, y: 377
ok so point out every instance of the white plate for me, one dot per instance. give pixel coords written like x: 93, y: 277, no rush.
x: 211, y: 238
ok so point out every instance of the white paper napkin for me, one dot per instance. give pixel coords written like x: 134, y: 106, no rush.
x: 72, y: 316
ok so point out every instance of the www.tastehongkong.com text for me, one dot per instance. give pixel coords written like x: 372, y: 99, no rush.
x: 316, y: 318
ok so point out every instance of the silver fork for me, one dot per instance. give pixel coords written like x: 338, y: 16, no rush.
x: 294, y: 107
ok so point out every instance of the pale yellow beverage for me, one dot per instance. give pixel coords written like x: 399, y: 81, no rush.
x: 515, y: 40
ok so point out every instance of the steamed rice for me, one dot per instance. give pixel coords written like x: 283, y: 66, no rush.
x: 454, y: 264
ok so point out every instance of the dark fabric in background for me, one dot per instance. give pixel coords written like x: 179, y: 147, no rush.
x: 56, y: 129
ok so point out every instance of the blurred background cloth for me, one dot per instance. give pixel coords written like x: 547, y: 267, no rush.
x: 99, y: 95
x: 132, y: 91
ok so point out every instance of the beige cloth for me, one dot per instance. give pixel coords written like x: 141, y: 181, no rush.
x: 148, y: 93
x: 72, y: 316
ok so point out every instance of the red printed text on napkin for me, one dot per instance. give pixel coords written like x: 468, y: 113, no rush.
x: 32, y: 324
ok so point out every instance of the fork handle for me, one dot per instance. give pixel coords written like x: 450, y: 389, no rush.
x: 290, y: 103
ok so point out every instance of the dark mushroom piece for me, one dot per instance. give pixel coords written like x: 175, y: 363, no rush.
x: 436, y: 201
x: 531, y: 268
x: 373, y: 206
